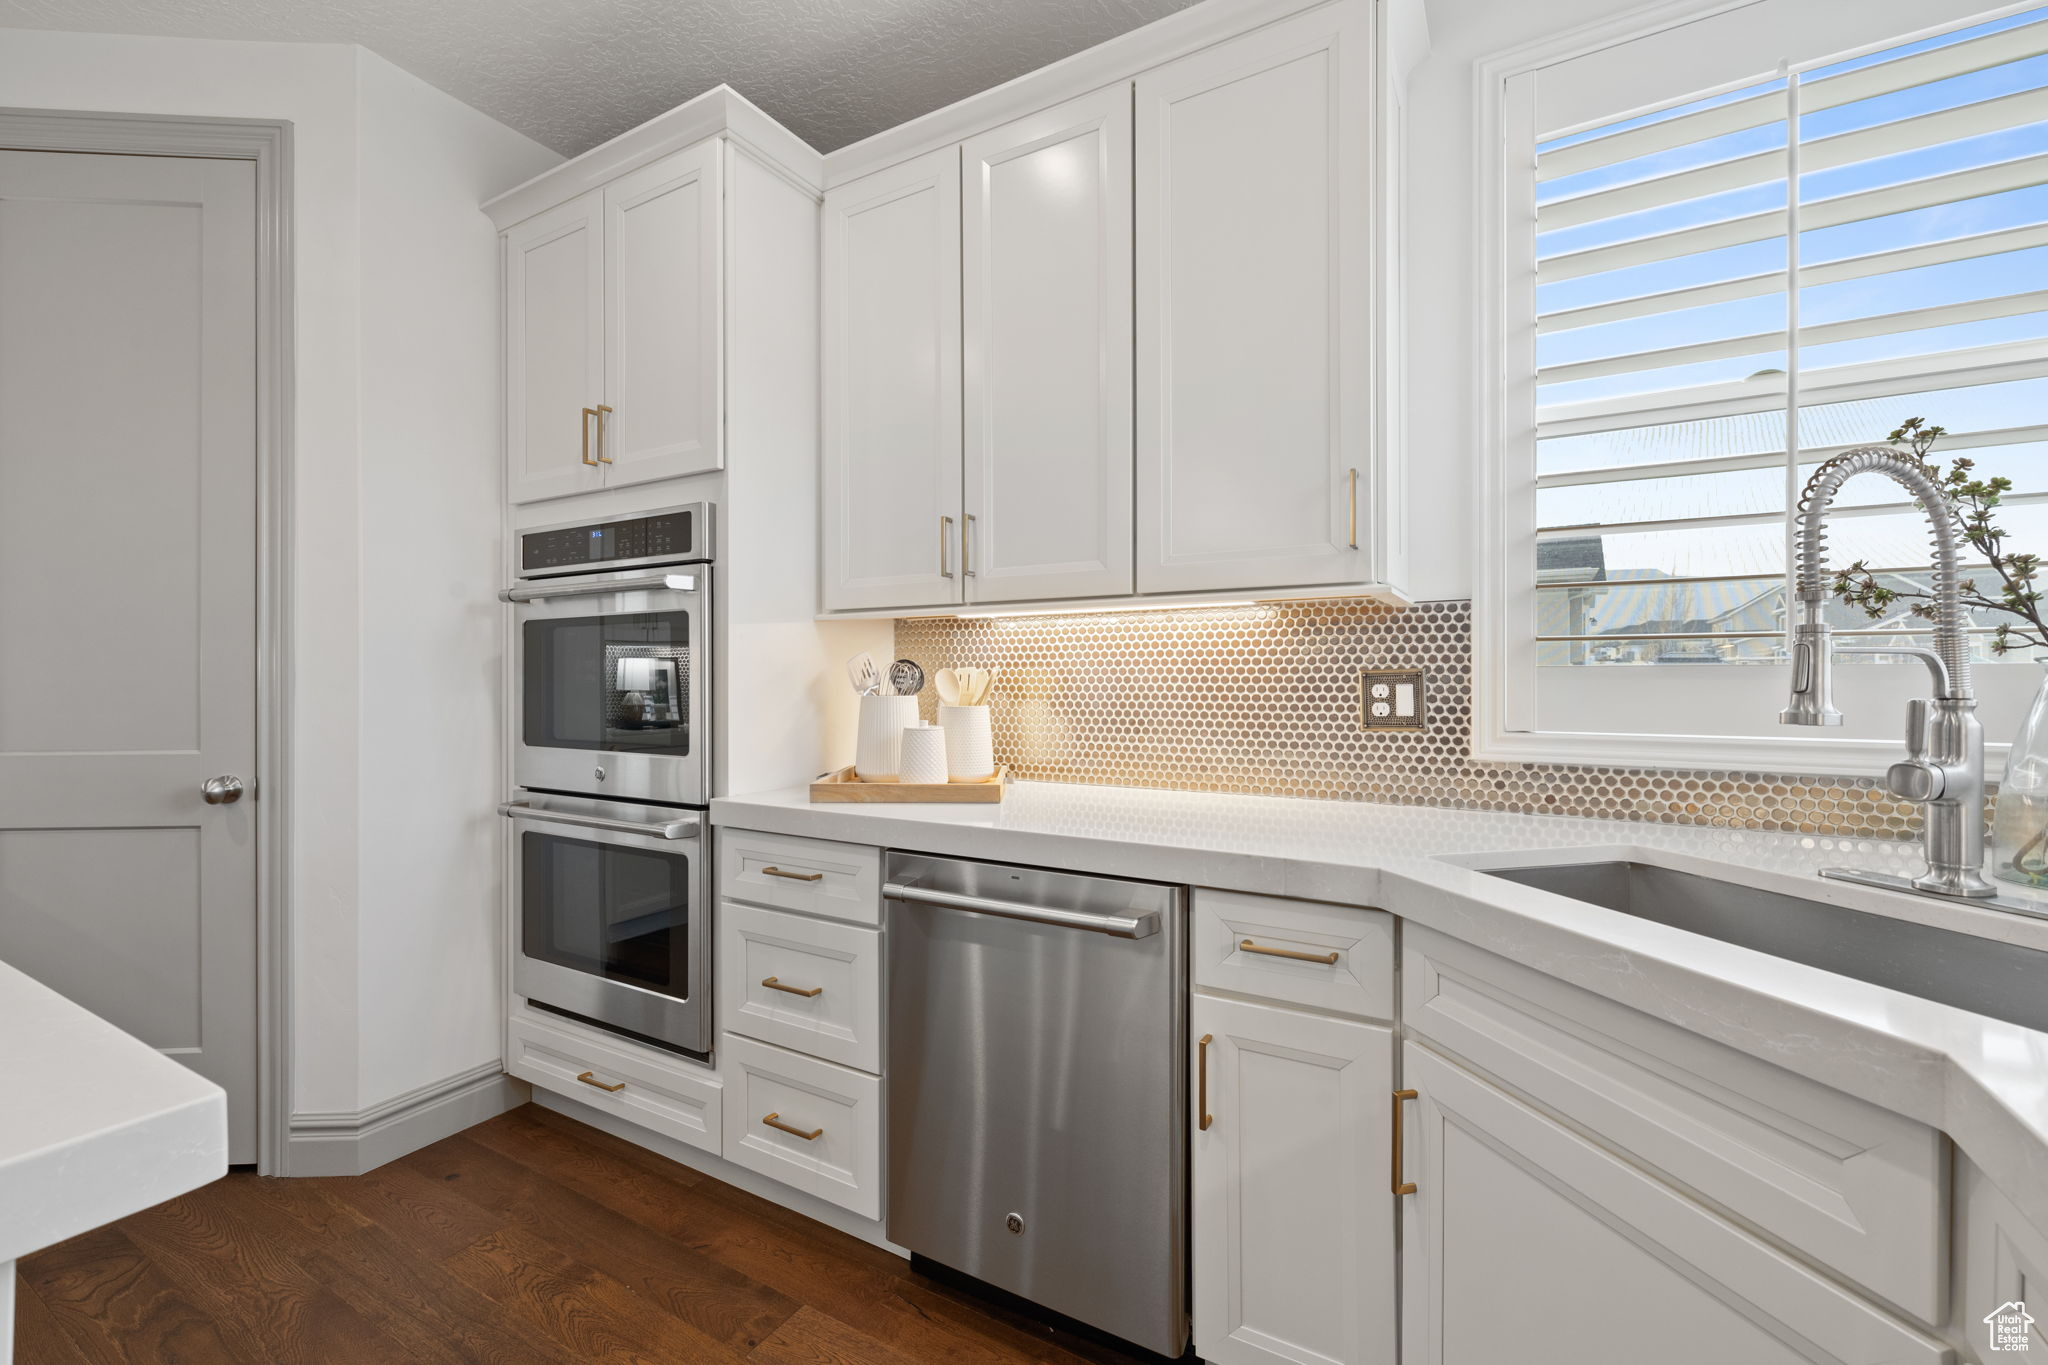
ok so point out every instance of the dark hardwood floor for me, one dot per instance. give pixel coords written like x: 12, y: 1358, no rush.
x: 528, y: 1238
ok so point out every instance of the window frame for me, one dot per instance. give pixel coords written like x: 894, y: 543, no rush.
x: 1504, y: 589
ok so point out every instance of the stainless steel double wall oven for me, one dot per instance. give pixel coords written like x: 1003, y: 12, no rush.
x: 612, y: 652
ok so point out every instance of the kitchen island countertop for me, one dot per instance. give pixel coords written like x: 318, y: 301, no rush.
x: 96, y: 1124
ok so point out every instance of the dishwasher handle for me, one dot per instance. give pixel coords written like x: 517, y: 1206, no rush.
x: 1142, y: 925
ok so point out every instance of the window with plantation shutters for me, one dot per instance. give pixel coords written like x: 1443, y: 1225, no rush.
x: 1722, y: 290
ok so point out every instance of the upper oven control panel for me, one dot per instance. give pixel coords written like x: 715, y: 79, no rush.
x: 666, y: 537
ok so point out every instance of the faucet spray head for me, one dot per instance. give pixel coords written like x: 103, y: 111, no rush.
x: 1813, y: 672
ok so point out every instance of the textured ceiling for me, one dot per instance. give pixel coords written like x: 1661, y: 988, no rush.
x: 571, y: 73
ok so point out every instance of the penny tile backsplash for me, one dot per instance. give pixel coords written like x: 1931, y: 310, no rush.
x: 1264, y: 699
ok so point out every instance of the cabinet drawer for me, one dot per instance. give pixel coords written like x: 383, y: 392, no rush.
x: 1853, y: 1187
x: 835, y: 1148
x: 1248, y: 944
x: 816, y: 876
x: 666, y: 1094
x: 827, y: 983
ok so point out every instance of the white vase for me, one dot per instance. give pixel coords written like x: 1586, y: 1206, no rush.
x: 878, y: 750
x: 970, y: 743
x: 924, y: 755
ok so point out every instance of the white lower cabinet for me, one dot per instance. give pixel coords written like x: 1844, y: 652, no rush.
x: 663, y: 1094
x: 1293, y: 1225
x: 1525, y: 1241
x: 2003, y: 1268
x: 1838, y: 1181
x: 812, y: 1125
x: 810, y: 984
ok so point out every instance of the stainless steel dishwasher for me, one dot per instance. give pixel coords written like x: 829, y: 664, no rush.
x: 1038, y: 1087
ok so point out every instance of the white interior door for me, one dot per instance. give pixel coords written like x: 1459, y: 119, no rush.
x: 128, y: 598
x: 662, y: 318
x: 554, y: 350
x: 1253, y: 374
x: 891, y: 470
x: 1047, y: 326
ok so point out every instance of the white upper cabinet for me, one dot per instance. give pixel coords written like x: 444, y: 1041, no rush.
x: 612, y: 332
x: 891, y: 475
x: 662, y: 377
x: 1131, y: 342
x: 1047, y: 311
x: 554, y: 350
x: 1255, y: 250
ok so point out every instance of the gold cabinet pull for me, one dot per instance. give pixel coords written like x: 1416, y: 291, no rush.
x: 774, y: 984
x: 1354, y: 509
x: 601, y: 410
x: 1328, y: 959
x: 967, y: 546
x: 1401, y: 1186
x: 945, y: 539
x: 793, y: 876
x: 588, y: 413
x: 1202, y: 1074
x: 590, y: 1078
x: 775, y: 1121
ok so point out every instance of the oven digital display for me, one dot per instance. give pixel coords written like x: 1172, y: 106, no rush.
x: 667, y: 536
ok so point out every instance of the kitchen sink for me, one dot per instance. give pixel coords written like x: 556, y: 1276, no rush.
x: 2002, y: 980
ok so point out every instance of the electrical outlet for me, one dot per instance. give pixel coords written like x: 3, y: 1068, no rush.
x: 1390, y: 700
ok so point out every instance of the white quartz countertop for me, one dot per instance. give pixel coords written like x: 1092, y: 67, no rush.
x: 95, y: 1125
x: 1981, y: 1080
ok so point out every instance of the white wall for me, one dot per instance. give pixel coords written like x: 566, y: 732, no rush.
x: 428, y: 894
x: 395, y: 326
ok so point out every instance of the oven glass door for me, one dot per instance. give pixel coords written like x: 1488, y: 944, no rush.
x: 617, y: 911
x: 614, y: 683
x: 614, y: 689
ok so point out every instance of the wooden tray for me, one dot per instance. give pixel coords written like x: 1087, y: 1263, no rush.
x: 844, y: 786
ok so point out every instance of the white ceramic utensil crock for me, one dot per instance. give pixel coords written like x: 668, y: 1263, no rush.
x: 878, y: 749
x: 970, y: 745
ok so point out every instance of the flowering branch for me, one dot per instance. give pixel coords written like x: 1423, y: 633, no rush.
x: 1974, y: 501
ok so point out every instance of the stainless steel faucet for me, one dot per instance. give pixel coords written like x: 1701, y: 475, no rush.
x: 1943, y: 771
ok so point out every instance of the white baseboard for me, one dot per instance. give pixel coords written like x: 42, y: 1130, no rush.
x: 352, y: 1143
x: 718, y: 1168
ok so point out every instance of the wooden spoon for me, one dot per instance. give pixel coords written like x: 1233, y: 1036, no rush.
x: 948, y: 683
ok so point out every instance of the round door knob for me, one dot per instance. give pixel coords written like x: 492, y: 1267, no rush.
x: 221, y: 791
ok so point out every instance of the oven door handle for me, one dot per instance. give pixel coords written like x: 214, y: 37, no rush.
x: 601, y: 587
x: 687, y: 827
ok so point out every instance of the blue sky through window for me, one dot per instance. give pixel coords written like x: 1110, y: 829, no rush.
x: 1710, y: 259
